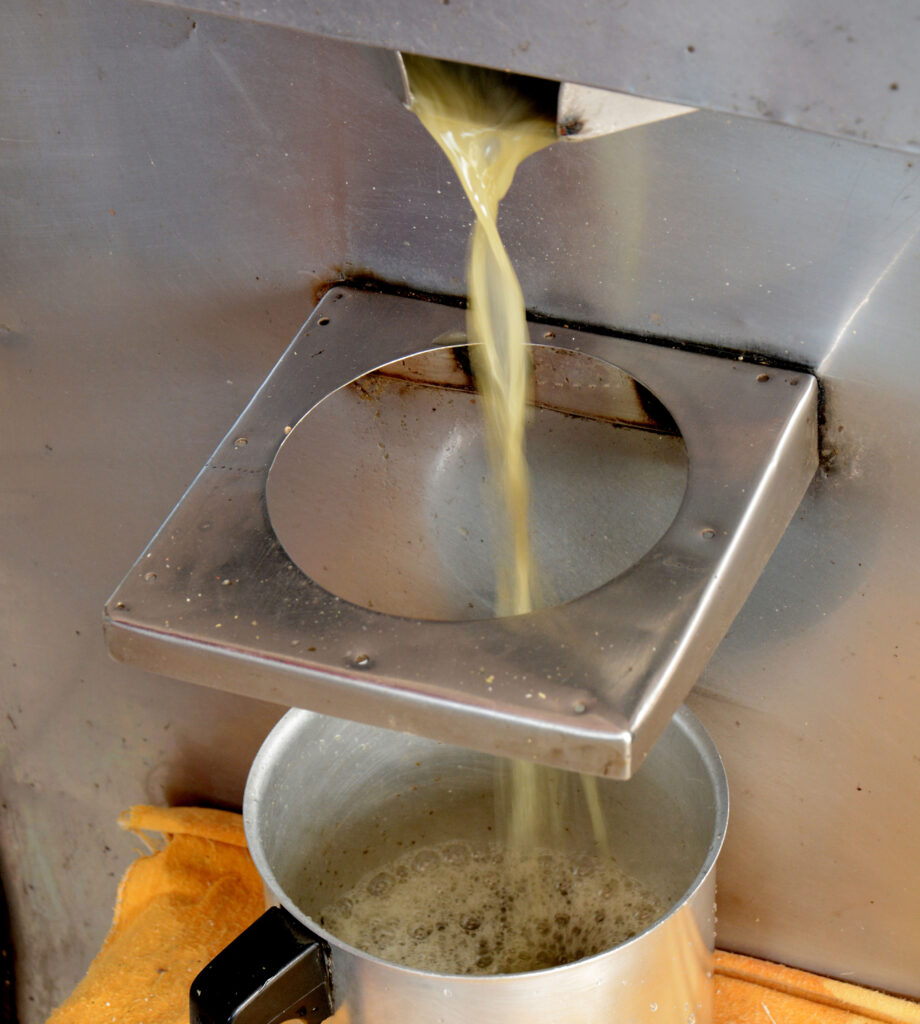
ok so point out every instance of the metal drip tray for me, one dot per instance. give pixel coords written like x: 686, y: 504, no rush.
x: 334, y: 553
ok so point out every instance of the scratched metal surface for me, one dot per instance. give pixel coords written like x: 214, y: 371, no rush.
x: 832, y: 66
x: 174, y: 188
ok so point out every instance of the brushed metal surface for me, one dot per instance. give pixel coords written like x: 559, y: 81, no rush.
x: 588, y: 684
x: 383, y: 792
x: 585, y: 112
x: 245, y: 165
x: 843, y: 69
x: 380, y: 492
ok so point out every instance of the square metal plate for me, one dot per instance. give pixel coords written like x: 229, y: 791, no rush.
x: 588, y: 684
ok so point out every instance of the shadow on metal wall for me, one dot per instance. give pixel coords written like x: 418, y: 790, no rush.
x: 7, y: 963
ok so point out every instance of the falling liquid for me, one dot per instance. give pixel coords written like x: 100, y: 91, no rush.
x: 487, y: 126
x: 526, y: 902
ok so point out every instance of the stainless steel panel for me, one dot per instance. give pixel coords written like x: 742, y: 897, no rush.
x: 844, y: 69
x: 581, y: 111
x: 585, y: 112
x: 132, y: 315
x: 702, y: 228
x: 235, y: 193
x: 586, y: 684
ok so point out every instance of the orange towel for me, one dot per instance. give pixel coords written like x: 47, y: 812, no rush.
x: 178, y: 907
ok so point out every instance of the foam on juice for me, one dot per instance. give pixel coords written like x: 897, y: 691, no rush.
x: 455, y: 908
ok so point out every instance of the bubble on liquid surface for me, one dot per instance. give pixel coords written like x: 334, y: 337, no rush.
x: 426, y: 860
x: 456, y: 853
x: 456, y: 908
x: 380, y: 884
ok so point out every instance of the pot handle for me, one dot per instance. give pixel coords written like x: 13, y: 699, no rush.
x: 276, y: 970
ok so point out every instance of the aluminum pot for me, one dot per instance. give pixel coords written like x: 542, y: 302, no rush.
x: 328, y: 800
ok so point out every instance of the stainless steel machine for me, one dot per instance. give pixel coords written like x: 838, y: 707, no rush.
x: 182, y: 183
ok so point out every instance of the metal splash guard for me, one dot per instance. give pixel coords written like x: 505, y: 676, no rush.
x: 588, y: 684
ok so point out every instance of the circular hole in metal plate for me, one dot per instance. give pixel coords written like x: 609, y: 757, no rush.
x: 379, y: 492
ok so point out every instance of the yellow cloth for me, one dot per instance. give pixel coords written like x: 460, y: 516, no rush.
x: 178, y: 907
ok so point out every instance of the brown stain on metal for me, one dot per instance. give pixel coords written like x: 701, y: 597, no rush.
x: 364, y: 279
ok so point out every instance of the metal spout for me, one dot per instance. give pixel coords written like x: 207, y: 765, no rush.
x: 580, y: 111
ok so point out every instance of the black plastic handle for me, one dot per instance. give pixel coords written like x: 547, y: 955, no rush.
x: 276, y: 970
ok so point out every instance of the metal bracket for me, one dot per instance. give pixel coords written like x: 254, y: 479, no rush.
x: 588, y: 684
x: 581, y: 111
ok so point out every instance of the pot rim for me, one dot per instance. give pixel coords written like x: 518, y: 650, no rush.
x: 683, y: 718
